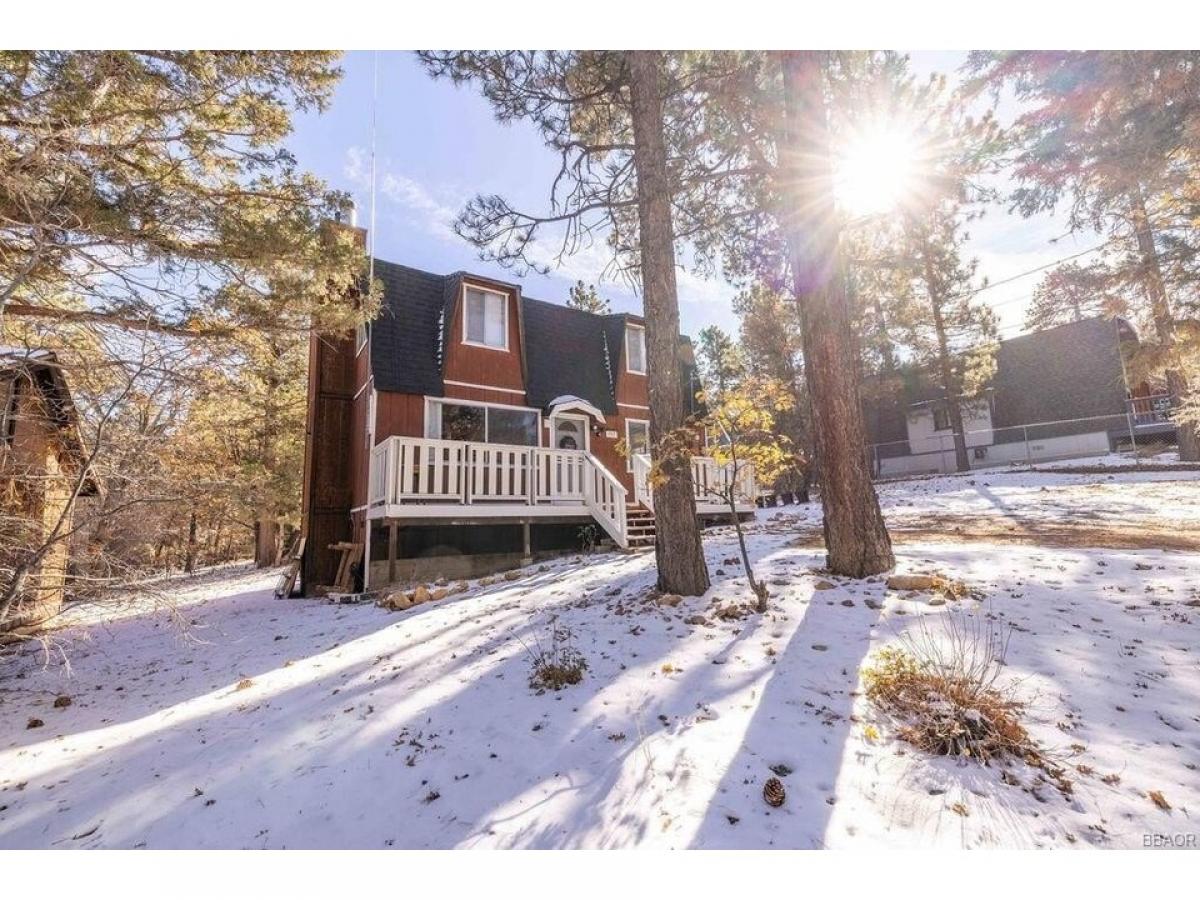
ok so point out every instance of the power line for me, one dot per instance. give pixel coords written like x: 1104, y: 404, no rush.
x: 1055, y: 262
x: 1033, y: 271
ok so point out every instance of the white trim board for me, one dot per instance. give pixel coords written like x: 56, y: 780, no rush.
x: 482, y: 387
x: 476, y: 510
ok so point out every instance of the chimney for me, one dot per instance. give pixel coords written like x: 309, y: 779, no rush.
x: 346, y: 217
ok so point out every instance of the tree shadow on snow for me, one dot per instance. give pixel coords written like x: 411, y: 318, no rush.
x: 802, y: 722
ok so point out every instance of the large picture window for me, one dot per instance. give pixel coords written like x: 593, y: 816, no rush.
x: 451, y: 421
x: 512, y: 426
x: 485, y: 319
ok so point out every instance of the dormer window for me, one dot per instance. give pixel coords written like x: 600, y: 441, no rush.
x: 635, y: 349
x: 485, y: 319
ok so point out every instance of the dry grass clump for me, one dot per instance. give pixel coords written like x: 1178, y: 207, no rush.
x: 944, y: 692
x: 942, y: 713
x: 557, y: 665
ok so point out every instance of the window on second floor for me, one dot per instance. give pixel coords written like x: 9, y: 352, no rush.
x: 635, y: 349
x: 485, y: 319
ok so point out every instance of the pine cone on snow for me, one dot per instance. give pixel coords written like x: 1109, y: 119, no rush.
x: 773, y: 792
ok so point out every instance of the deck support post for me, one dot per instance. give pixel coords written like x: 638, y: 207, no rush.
x: 393, y: 529
x: 527, y: 555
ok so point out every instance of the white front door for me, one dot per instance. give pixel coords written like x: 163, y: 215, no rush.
x: 569, y: 432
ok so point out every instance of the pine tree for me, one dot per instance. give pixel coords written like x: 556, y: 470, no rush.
x: 772, y: 350
x: 948, y: 332
x: 856, y: 538
x: 1072, y: 292
x: 720, y: 360
x: 1111, y: 135
x: 923, y: 289
x: 587, y: 298
x: 153, y: 187
x: 606, y: 114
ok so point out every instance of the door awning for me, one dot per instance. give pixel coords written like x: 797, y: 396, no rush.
x: 571, y: 403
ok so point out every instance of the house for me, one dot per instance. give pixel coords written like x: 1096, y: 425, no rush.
x: 1059, y: 393
x: 41, y: 476
x: 469, y: 427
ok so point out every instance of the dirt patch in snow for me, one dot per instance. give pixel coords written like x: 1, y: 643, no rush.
x: 1140, y: 535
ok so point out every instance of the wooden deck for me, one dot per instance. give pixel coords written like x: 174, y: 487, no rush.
x: 423, y: 480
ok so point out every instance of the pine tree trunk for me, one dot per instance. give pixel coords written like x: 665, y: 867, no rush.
x: 678, y: 551
x: 856, y: 539
x: 1164, y: 321
x: 945, y: 362
x: 189, y: 562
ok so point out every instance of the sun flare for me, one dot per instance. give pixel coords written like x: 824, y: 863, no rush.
x: 876, y: 171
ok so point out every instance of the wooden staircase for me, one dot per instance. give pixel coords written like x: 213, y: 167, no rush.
x: 639, y: 526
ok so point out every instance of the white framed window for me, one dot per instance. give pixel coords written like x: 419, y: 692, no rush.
x: 637, y: 440
x: 485, y: 423
x: 635, y: 349
x: 485, y: 318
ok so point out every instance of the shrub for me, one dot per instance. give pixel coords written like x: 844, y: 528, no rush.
x: 557, y: 665
x: 944, y: 693
x: 589, y: 538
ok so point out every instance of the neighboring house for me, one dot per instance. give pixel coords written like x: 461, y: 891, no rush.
x: 41, y: 455
x: 469, y: 426
x: 1057, y: 393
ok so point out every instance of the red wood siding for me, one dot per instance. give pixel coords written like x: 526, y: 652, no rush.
x: 399, y: 414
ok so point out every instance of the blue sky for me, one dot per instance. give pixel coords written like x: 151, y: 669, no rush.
x: 437, y: 145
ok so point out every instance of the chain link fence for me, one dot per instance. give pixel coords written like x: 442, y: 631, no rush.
x: 1146, y: 423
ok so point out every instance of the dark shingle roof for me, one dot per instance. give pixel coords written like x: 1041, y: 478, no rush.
x: 1068, y: 372
x: 405, y: 337
x: 564, y: 354
x: 451, y: 288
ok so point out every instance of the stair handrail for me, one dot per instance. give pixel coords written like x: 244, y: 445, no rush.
x: 605, y: 498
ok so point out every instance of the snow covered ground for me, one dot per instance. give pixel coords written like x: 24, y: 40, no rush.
x: 253, y: 722
x: 1152, y: 498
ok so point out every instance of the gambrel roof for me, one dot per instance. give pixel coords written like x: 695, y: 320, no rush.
x: 566, y: 351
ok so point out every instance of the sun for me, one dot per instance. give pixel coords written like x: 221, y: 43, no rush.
x: 876, y: 171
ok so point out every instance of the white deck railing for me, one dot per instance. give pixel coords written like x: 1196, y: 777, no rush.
x: 710, y: 482
x: 423, y: 472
